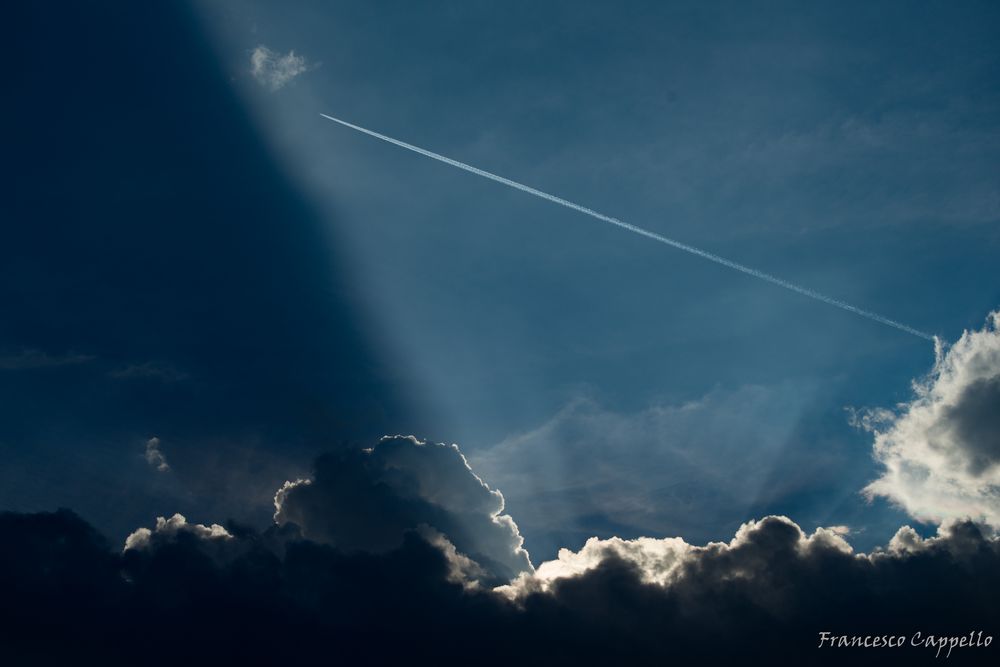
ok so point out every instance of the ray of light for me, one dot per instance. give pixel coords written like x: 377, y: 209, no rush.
x: 812, y: 294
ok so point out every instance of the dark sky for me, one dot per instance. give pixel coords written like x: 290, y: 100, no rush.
x: 192, y: 254
x: 162, y: 276
x: 274, y: 391
x: 848, y: 148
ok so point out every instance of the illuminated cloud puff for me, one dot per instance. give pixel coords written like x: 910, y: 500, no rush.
x: 275, y: 70
x: 941, y: 450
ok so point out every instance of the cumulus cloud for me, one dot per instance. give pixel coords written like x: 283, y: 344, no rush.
x: 941, y: 450
x: 666, y: 561
x: 274, y: 70
x: 767, y: 592
x: 400, y: 553
x: 763, y: 596
x: 154, y: 456
x: 461, y: 569
x: 369, y: 499
x: 167, y: 530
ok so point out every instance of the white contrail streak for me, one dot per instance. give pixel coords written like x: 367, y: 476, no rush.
x: 642, y: 232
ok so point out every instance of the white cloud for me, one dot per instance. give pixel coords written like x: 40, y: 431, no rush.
x: 167, y: 529
x: 664, y: 562
x: 941, y: 450
x: 154, y: 456
x: 657, y: 560
x: 274, y: 70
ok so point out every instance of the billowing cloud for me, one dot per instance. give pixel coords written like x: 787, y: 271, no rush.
x: 941, y: 450
x: 401, y: 553
x: 269, y: 597
x: 154, y: 456
x: 368, y: 500
x: 767, y: 592
x: 167, y: 530
x: 669, y: 561
x: 274, y: 70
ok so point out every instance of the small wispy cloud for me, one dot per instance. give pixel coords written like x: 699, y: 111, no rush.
x: 274, y: 70
x: 149, y: 370
x: 28, y: 359
x: 154, y: 456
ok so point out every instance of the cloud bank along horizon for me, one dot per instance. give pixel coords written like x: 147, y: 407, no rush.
x: 939, y: 451
x: 377, y: 537
x: 389, y: 581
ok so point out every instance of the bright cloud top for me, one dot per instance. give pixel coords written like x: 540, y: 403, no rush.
x: 941, y: 451
x: 167, y: 529
x: 368, y: 500
x: 665, y: 561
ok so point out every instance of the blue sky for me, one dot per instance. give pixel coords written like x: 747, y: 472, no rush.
x: 849, y: 149
x: 297, y: 287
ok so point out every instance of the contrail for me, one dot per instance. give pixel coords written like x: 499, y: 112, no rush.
x: 642, y: 232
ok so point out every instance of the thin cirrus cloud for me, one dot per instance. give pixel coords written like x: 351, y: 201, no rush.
x: 690, y: 467
x: 148, y: 371
x: 941, y: 449
x: 30, y: 359
x: 275, y: 70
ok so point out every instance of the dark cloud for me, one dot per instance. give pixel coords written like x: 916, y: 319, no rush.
x: 975, y: 418
x: 401, y: 554
x: 199, y: 594
x: 186, y: 595
x: 368, y: 499
x: 771, y: 590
